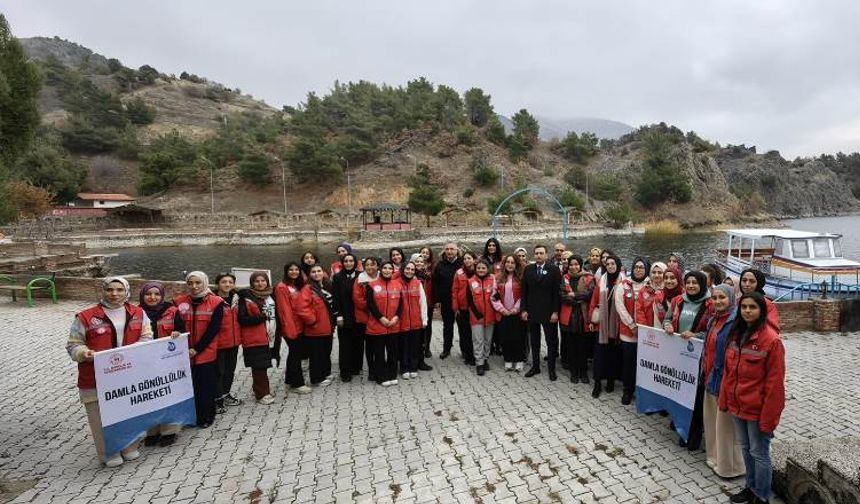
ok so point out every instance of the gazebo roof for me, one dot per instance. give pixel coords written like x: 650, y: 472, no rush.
x: 383, y: 207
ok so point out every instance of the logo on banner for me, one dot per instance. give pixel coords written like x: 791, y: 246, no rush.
x: 116, y: 359
x: 117, y: 363
x: 690, y: 346
x: 171, y: 346
x: 651, y: 340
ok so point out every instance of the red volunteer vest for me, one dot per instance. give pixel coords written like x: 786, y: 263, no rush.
x: 196, y: 320
x: 101, y: 335
x: 387, y: 296
x: 410, y: 317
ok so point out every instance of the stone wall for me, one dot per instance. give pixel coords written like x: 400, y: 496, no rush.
x: 796, y: 315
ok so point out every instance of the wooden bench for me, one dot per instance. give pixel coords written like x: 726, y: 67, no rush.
x: 34, y: 282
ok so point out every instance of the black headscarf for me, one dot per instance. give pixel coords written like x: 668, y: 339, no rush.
x: 611, y: 278
x: 645, y: 261
x: 760, y: 279
x: 702, y: 280
x: 579, y: 261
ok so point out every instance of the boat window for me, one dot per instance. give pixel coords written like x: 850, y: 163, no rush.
x: 799, y: 249
x: 821, y: 247
x: 777, y: 247
x: 837, y: 247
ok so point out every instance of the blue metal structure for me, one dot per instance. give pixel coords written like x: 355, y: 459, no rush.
x: 538, y: 190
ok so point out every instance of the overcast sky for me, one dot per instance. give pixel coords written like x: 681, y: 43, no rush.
x: 776, y: 74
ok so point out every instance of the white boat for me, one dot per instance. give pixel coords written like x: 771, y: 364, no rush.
x: 796, y: 263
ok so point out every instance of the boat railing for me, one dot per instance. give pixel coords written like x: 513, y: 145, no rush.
x: 832, y: 289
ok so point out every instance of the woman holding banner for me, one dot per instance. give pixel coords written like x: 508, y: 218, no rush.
x: 723, y: 454
x: 112, y: 323
x: 753, y: 391
x: 163, y: 320
x: 201, y: 312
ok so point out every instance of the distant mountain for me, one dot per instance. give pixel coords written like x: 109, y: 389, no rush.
x: 559, y: 128
x: 68, y: 53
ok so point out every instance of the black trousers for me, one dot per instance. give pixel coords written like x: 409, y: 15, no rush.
x: 564, y: 348
x: 550, y: 331
x: 607, y: 361
x: 512, y: 333
x: 298, y: 351
x: 579, y: 349
x: 428, y: 331
x: 350, y: 353
x: 464, y: 331
x: 384, y: 348
x: 694, y: 440
x: 410, y: 348
x: 226, y: 370
x: 204, y: 379
x: 319, y: 353
x: 447, y: 325
x: 628, y: 366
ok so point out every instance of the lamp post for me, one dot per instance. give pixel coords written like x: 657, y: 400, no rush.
x: 284, y: 183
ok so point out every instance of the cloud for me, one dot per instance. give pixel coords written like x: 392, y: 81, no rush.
x: 777, y: 74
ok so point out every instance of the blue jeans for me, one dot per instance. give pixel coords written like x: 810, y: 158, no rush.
x: 755, y: 447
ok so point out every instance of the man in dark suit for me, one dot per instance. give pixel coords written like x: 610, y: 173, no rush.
x: 540, y: 302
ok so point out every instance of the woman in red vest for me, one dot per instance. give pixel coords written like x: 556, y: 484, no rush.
x: 425, y: 274
x: 482, y: 316
x: 201, y: 312
x: 412, y: 322
x: 506, y: 302
x: 290, y: 326
x: 576, y: 291
x: 112, y: 323
x: 359, y: 302
x: 162, y: 316
x: 229, y: 338
x: 318, y: 313
x: 384, y: 306
x: 461, y: 308
x: 258, y: 327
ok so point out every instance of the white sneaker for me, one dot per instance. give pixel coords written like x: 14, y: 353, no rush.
x: 393, y: 382
x: 329, y: 377
x: 132, y: 455
x: 304, y: 389
x: 406, y: 376
x: 519, y: 367
x: 306, y: 363
x: 509, y: 366
x: 266, y: 399
x: 114, y: 461
x: 324, y: 383
x: 387, y: 383
x: 413, y: 374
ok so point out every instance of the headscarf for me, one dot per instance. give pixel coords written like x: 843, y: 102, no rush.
x: 579, y: 260
x: 109, y: 280
x: 702, y: 280
x: 354, y: 262
x: 203, y: 277
x: 153, y: 312
x: 760, y: 279
x: 729, y: 291
x: 645, y: 262
x: 670, y: 294
x: 347, y: 246
x: 680, y: 258
x: 611, y: 278
x: 263, y: 293
x: 517, y: 251
x: 662, y: 266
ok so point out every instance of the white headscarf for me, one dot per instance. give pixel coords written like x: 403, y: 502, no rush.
x: 203, y: 277
x: 109, y: 280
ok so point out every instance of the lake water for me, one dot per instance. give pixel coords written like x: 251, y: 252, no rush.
x: 168, y: 263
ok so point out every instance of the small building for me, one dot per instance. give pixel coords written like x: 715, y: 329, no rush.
x: 102, y: 200
x: 72, y: 211
x: 386, y: 217
x: 136, y: 215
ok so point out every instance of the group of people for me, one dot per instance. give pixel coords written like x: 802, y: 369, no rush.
x: 381, y: 310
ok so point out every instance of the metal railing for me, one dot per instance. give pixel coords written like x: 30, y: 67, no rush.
x: 833, y: 289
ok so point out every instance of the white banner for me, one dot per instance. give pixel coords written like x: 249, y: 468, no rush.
x: 143, y: 385
x: 667, y: 374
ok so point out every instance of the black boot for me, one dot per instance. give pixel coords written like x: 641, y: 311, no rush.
x: 152, y: 440
x: 626, y: 398
x: 745, y: 495
x: 533, y: 371
x: 610, y: 386
x: 595, y: 392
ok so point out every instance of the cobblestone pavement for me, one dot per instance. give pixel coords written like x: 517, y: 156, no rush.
x: 448, y: 436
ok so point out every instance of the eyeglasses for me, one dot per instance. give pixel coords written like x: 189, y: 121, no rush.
x: 640, y: 267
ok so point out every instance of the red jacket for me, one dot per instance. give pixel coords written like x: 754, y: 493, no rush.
x: 753, y: 386
x: 458, y: 291
x: 253, y: 335
x: 583, y: 284
x: 290, y: 325
x: 411, y: 318
x: 388, y: 300
x: 164, y: 326
x: 480, y: 290
x: 100, y: 335
x: 196, y: 320
x: 314, y: 312
x: 230, y: 335
x: 630, y: 306
x: 645, y: 306
x: 359, y: 300
x: 677, y: 305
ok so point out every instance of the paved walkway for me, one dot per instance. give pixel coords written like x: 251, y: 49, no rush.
x: 448, y: 436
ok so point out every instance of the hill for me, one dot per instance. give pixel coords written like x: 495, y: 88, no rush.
x: 141, y: 131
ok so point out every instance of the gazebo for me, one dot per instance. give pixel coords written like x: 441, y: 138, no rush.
x: 386, y: 217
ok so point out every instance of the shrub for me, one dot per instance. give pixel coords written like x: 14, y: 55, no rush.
x: 576, y: 177
x: 138, y: 112
x: 569, y: 199
x: 662, y: 179
x: 606, y: 188
x: 469, y: 192
x: 493, y: 203
x: 256, y: 169
x: 80, y: 135
x: 579, y: 148
x: 466, y: 135
x: 495, y: 132
x: 619, y: 215
x: 517, y: 149
x: 482, y: 172
x: 426, y: 200
x: 169, y: 156
x: 48, y: 166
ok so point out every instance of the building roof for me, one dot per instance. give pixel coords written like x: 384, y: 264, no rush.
x: 779, y: 233
x: 384, y: 207
x: 106, y: 196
